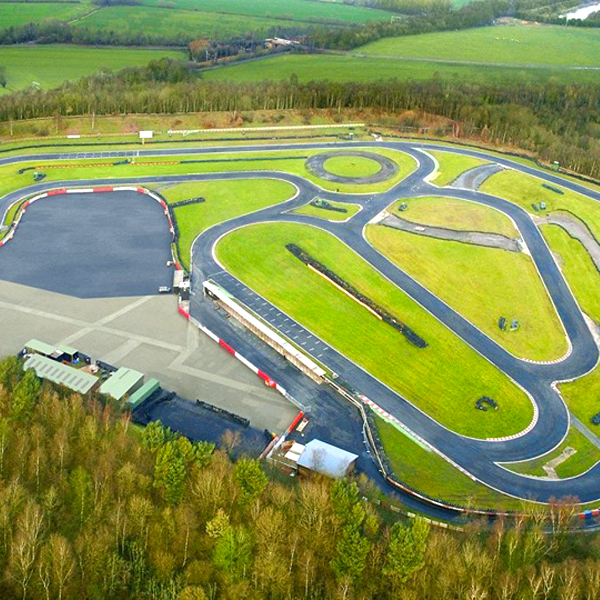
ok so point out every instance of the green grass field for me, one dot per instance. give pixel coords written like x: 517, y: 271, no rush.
x: 427, y: 377
x: 452, y: 165
x: 582, y: 396
x: 51, y: 65
x: 525, y: 45
x: 577, y: 267
x: 352, y: 166
x: 455, y: 214
x: 329, y: 215
x: 526, y: 190
x: 431, y: 474
x: 365, y: 69
x: 224, y: 200
x: 15, y: 14
x: 173, y: 23
x: 587, y: 456
x: 481, y: 284
x: 296, y: 10
x: 293, y: 162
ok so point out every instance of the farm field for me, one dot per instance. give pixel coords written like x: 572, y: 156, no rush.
x: 526, y: 45
x: 586, y: 456
x: 179, y: 24
x: 341, y: 68
x: 507, y: 285
x: 51, y: 65
x: 450, y: 166
x: 223, y: 200
x: 456, y: 214
x: 296, y: 10
x: 15, y: 14
x: 427, y: 377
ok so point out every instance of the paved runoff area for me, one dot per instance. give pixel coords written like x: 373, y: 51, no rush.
x: 147, y: 334
x: 91, y: 245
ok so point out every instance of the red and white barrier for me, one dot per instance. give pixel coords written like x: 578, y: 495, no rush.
x: 107, y: 188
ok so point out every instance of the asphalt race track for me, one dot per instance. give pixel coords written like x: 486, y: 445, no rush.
x: 478, y: 457
x: 91, y: 246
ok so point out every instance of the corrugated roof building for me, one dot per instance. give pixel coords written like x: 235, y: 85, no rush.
x: 324, y: 458
x: 75, y: 379
x: 122, y: 382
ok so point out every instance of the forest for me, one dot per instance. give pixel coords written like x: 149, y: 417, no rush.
x: 92, y: 506
x: 555, y: 122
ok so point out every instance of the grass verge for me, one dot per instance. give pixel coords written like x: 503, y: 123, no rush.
x: 586, y: 456
x: 444, y: 379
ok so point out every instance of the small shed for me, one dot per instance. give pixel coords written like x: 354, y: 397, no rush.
x: 122, y: 382
x: 47, y: 368
x: 38, y: 347
x: 321, y: 457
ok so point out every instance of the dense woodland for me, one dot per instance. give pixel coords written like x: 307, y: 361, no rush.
x: 554, y: 121
x: 93, y: 507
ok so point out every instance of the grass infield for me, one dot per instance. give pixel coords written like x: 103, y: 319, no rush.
x: 329, y: 215
x: 507, y: 284
x: 444, y: 380
x: 352, y: 166
x: 452, y: 165
x: 455, y: 214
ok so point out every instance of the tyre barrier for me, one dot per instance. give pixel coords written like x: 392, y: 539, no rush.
x: 187, y: 202
x: 382, y: 313
x: 224, y: 413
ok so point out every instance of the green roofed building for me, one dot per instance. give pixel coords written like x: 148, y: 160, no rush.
x: 39, y: 347
x: 122, y: 382
x: 140, y: 395
x: 75, y: 379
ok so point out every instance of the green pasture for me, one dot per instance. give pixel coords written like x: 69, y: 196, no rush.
x: 453, y: 213
x: 53, y: 64
x: 444, y: 379
x: 482, y: 284
x: 452, y: 165
x: 173, y: 23
x: 329, y: 215
x: 526, y: 190
x: 586, y: 456
x: 520, y: 45
x: 427, y: 472
x: 577, y: 267
x: 291, y: 10
x: 223, y: 200
x: 365, y: 69
x: 291, y: 161
x: 15, y: 14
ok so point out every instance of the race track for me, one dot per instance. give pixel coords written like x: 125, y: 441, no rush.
x: 477, y: 457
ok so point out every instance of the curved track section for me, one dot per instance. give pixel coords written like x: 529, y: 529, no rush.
x: 387, y: 168
x: 477, y: 457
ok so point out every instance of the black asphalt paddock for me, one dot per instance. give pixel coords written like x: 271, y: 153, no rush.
x: 316, y: 165
x: 94, y: 245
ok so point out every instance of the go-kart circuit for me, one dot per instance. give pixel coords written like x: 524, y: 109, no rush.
x: 28, y: 257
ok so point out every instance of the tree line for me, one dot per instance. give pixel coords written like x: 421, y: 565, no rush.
x: 556, y: 122
x: 92, y: 507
